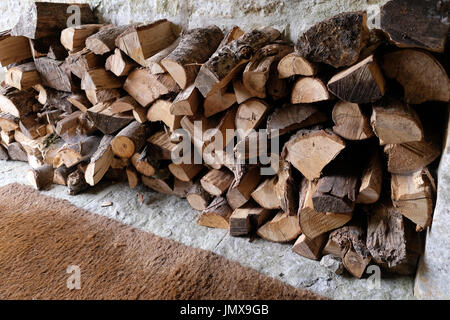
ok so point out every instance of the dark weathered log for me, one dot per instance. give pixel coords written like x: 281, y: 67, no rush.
x: 119, y: 64
x: 247, y: 219
x: 71, y: 154
x: 54, y: 74
x: 13, y: 49
x: 106, y: 119
x: 40, y: 178
x: 76, y: 182
x: 61, y: 174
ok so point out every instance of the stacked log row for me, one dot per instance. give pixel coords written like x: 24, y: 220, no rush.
x: 355, y: 111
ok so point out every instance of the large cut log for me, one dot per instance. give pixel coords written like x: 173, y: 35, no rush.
x: 143, y: 41
x: 416, y: 23
x: 16, y: 152
x: 229, y: 59
x: 309, y: 248
x: 97, y: 96
x: 313, y: 223
x: 119, y: 64
x: 160, y: 111
x: 83, y: 61
x: 309, y: 90
x: 216, y: 215
x: 74, y: 38
x: 350, y: 122
x: 247, y: 219
x: 216, y: 182
x: 100, y: 79
x: 371, y: 181
x: 23, y: 76
x: 154, y: 62
x: 100, y: 161
x: 249, y: 116
x: 40, y: 178
x: 72, y: 154
x: 55, y: 74
x: 104, y: 41
x: 195, y: 47
x: 420, y: 74
x: 218, y: 101
x: 336, y: 41
x: 394, y: 121
x: 265, y: 194
x: 187, y: 102
x: 361, y: 83
x: 294, y: 64
x: 310, y: 151
x: 147, y: 88
x: 257, y: 71
x: 199, y: 199
x: 293, y: 117
x: 130, y: 139
x: 282, y: 228
x: 107, y: 118
x: 242, y: 186
x: 13, y: 49
x: 413, y: 196
x: 43, y: 19
x: 133, y: 177
x: 161, y: 146
x: 16, y: 103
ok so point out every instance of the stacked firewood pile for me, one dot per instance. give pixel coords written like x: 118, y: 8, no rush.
x: 356, y: 113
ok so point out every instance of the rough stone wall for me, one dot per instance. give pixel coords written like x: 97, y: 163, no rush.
x: 291, y: 16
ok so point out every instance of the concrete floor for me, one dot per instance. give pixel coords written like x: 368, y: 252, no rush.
x: 173, y: 218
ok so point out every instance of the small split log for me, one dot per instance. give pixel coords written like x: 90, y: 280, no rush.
x: 61, y: 174
x: 309, y: 90
x: 100, y: 78
x: 282, y: 228
x: 247, y: 219
x: 41, y: 177
x: 16, y: 152
x: 119, y: 64
x: 23, y: 76
x: 241, y: 92
x: 97, y: 96
x: 187, y: 102
x: 160, y: 146
x: 265, y: 194
x: 7, y: 137
x: 286, y: 188
x: 54, y: 74
x: 8, y: 122
x: 361, y: 83
x: 199, y: 199
x: 160, y: 111
x: 216, y: 215
x: 130, y: 139
x: 74, y: 38
x: 242, y: 186
x: 76, y: 183
x: 103, y: 41
x: 371, y: 181
x: 249, y: 116
x: 293, y: 64
x: 133, y: 177
x: 72, y: 154
x: 83, y: 61
x: 13, y: 49
x: 106, y: 119
x: 16, y: 103
x: 100, y: 161
x: 3, y: 153
x: 336, y: 41
x: 309, y: 248
x: 350, y: 122
x: 218, y: 101
x: 154, y: 62
x: 184, y: 171
x: 181, y: 188
x: 143, y: 162
x: 80, y: 101
x: 216, y: 182
x: 30, y: 127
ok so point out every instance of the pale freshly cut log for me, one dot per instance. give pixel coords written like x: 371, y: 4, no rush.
x: 104, y: 95
x: 199, y: 199
x: 336, y: 41
x: 218, y: 101
x: 248, y: 218
x: 23, y: 76
x: 309, y: 248
x: 243, y: 185
x: 287, y: 188
x: 195, y: 47
x: 81, y: 62
x: 104, y: 41
x: 160, y: 111
x: 217, y: 134
x: 16, y: 103
x: 13, y: 49
x: 249, y: 115
x: 371, y: 181
x: 187, y: 102
x: 241, y: 92
x: 8, y: 122
x: 154, y: 62
x: 265, y: 194
x: 106, y: 119
x: 100, y: 161
x: 309, y: 90
x: 216, y: 215
x: 350, y: 122
x: 294, y: 64
x: 216, y: 182
x: 161, y: 146
x: 394, y: 121
x: 282, y: 228
x: 293, y: 117
x: 72, y: 154
x: 6, y: 137
x: 413, y: 196
x: 310, y: 151
x: 420, y: 74
x: 100, y: 78
x: 230, y: 59
x: 54, y: 74
x: 119, y: 64
x: 132, y: 176
x: 185, y: 171
x: 144, y: 163
x: 40, y: 178
x: 416, y: 23
x: 130, y: 139
x: 362, y: 83
x: 80, y: 101
x: 140, y: 42
x: 74, y: 38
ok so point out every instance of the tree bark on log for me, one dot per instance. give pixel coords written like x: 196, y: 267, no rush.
x: 130, y: 139
x: 13, y: 49
x: 104, y: 41
x: 100, y: 161
x: 216, y: 215
x: 23, y: 76
x: 16, y: 103
x: 199, y: 199
x: 54, y: 74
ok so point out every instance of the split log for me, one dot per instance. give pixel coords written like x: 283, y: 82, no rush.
x: 413, y: 196
x: 361, y: 83
x: 309, y: 90
x: 313, y: 223
x: 13, y: 49
x: 216, y: 182
x: 61, y: 174
x: 265, y: 194
x: 371, y: 181
x: 3, y: 153
x: 74, y: 38
x: 241, y: 92
x: 242, y: 186
x: 199, y: 199
x: 157, y: 184
x: 143, y: 41
x: 195, y: 47
x: 147, y: 88
x: 187, y: 102
x: 161, y: 146
x: 249, y: 116
x: 100, y: 78
x: 293, y: 117
x: 53, y: 99
x: 67, y: 127
x: 287, y: 188
x: 72, y: 154
x: 97, y: 96
x: 144, y: 163
x: 282, y: 228
x: 76, y: 182
x: 350, y: 122
x: 83, y: 61
x: 40, y: 178
x: 43, y: 19
x: 7, y: 137
x: 421, y: 75
x: 16, y: 103
x: 309, y: 248
x: 185, y: 171
x: 294, y: 64
x: 277, y: 88
x: 154, y: 62
x: 160, y: 111
x: 8, y: 122
x: 336, y: 41
x: 54, y: 74
x: 218, y: 101
x: 104, y: 41
x: 23, y: 76
x: 394, y: 121
x: 229, y: 59
x: 16, y: 152
x: 132, y: 176
x: 257, y: 71
x: 216, y: 215
x: 130, y: 139
x: 80, y: 101
x: 247, y: 219
x: 119, y: 64
x: 181, y: 188
x: 30, y: 126
x: 100, y: 161
x: 416, y: 23
x: 310, y: 151
x: 106, y: 120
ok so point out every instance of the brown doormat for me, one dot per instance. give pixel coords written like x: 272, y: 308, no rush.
x: 40, y: 237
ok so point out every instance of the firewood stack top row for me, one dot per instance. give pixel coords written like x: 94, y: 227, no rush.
x: 358, y: 114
